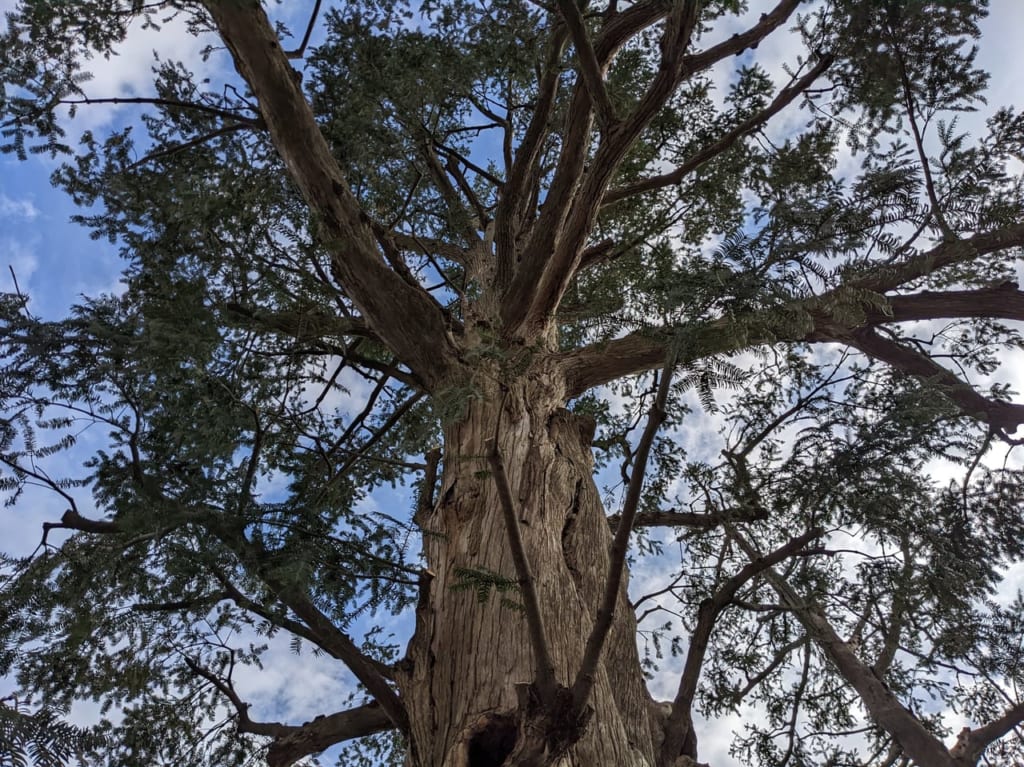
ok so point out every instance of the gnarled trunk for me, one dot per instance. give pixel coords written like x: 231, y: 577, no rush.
x: 470, y: 659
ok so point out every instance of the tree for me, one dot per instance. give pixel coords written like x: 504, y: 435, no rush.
x: 464, y: 248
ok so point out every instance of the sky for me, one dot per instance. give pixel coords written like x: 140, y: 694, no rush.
x: 56, y: 263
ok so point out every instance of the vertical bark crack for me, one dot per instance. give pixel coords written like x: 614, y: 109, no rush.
x: 567, y: 530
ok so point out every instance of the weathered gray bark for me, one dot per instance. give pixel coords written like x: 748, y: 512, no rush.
x: 470, y: 661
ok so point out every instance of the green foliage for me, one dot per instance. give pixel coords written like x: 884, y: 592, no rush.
x: 483, y: 582
x: 240, y: 422
x: 40, y: 737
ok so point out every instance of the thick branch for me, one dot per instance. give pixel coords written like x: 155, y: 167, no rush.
x: 885, y: 709
x: 292, y: 742
x: 408, y: 320
x: 740, y: 42
x: 330, y: 637
x: 679, y: 723
x: 586, y: 676
x: 883, y: 279
x: 590, y: 68
x: 1005, y: 416
x: 301, y: 326
x: 1003, y: 301
x: 325, y: 731
x: 686, y: 519
x: 971, y: 743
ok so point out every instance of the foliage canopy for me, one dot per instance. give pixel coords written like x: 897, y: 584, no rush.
x: 337, y: 256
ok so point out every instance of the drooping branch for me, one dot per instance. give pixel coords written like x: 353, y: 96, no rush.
x: 1005, y: 416
x: 293, y: 742
x: 587, y: 674
x: 679, y: 725
x: 416, y: 333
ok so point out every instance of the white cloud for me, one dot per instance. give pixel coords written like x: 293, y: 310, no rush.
x: 11, y: 207
x: 129, y: 73
x: 19, y: 257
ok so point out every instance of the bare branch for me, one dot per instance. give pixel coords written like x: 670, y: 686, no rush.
x: 586, y: 676
x: 227, y: 114
x: 299, y: 52
x: 590, y: 68
x: 514, y: 203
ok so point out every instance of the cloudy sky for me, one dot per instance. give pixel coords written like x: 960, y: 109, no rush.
x: 56, y: 263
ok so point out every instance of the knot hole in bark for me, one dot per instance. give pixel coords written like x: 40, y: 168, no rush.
x: 493, y: 742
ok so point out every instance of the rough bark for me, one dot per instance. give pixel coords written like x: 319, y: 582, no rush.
x: 466, y: 683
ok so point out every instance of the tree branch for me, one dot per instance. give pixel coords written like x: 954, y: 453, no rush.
x: 1005, y: 416
x: 785, y: 97
x: 227, y: 114
x: 884, y: 708
x: 888, y: 277
x: 546, y: 683
x: 586, y: 676
x: 687, y: 519
x: 590, y: 68
x: 1004, y: 301
x: 326, y: 731
x: 678, y: 727
x: 292, y: 742
x: 740, y: 42
x: 330, y: 637
x: 970, y: 743
x: 417, y: 333
x: 299, y: 52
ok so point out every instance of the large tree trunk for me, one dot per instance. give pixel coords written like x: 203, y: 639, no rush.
x: 470, y: 659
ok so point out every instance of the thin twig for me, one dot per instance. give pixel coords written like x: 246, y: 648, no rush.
x: 299, y: 52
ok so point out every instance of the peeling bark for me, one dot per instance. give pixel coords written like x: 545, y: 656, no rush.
x: 467, y: 682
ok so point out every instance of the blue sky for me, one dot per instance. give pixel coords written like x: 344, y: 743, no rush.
x: 56, y: 263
